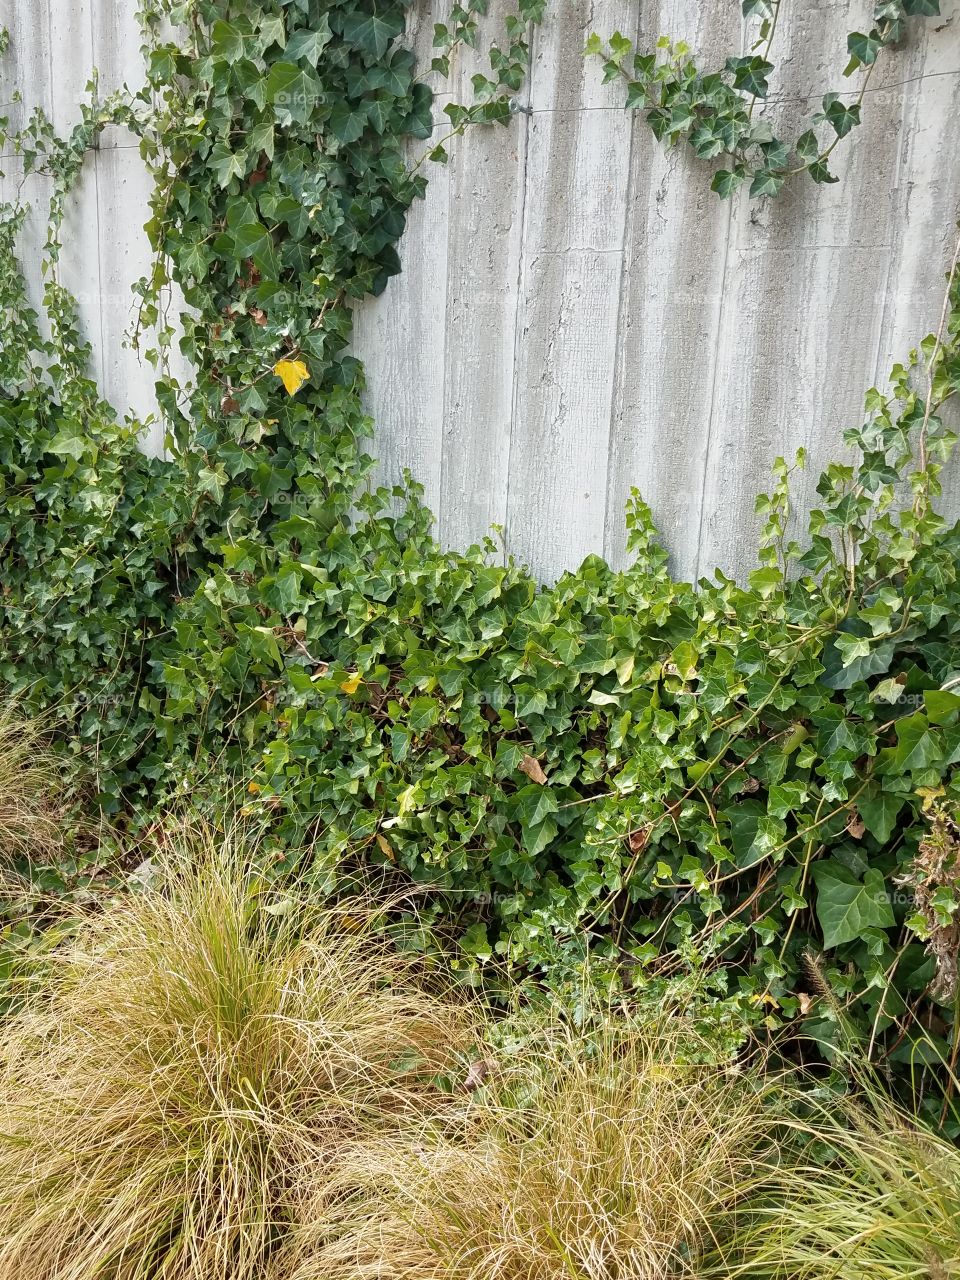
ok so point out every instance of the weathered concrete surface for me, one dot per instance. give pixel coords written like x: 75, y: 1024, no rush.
x: 661, y: 338
x: 578, y: 314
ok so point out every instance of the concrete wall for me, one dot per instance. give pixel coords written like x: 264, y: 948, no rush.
x: 578, y: 313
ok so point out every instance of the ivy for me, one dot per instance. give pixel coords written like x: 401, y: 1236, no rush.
x: 737, y: 774
x: 494, y: 97
x: 715, y: 112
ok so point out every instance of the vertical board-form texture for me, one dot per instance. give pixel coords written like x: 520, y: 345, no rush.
x: 578, y: 314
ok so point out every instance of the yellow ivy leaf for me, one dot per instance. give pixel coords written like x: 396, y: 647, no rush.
x: 292, y: 373
x: 352, y: 684
x: 764, y: 997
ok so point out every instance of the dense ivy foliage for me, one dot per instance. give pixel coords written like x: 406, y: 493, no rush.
x: 738, y: 774
x: 715, y: 112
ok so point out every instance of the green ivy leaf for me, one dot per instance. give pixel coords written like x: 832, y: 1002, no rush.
x: 373, y: 32
x: 534, y: 803
x: 272, y: 30
x: 347, y: 123
x: 839, y: 674
x: 227, y: 41
x: 848, y: 906
x: 309, y: 44
x: 726, y: 181
x: 476, y: 943
x: 750, y: 74
x: 917, y: 745
x: 294, y: 93
x: 422, y: 715
x: 227, y: 164
x: 685, y: 658
x: 253, y: 240
x: 820, y: 173
x: 878, y: 810
x: 841, y: 117
x: 864, y: 48
x: 943, y: 706
x: 807, y: 147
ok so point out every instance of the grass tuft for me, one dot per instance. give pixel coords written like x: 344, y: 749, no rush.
x: 200, y: 1056
x: 609, y: 1155
x: 877, y: 1197
x: 31, y: 792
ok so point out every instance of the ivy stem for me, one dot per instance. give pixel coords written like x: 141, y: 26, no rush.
x: 772, y: 31
x: 937, y: 348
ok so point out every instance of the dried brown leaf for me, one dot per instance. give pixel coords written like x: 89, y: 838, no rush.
x: 531, y: 767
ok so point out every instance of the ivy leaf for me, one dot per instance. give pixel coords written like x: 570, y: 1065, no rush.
x: 766, y: 183
x: 293, y: 92
x: 750, y: 74
x: 372, y: 32
x: 754, y: 833
x: 703, y: 140
x: 227, y: 41
x: 292, y: 373
x: 769, y: 579
x: 864, y: 48
x: 807, y: 147
x: 784, y: 797
x: 533, y: 803
x: 820, y: 173
x: 637, y: 95
x: 921, y: 8
x: 272, y: 30
x: 309, y: 44
x: 846, y: 905
x: 536, y: 837
x: 841, y: 117
x: 346, y: 123
x: 210, y: 480
x: 852, y: 647
x: 261, y: 138
x: 725, y: 182
x: 681, y: 117
x: 839, y: 674
x: 685, y: 659
x: 67, y: 445
x: 423, y: 714
x: 476, y: 943
x: 878, y: 810
x: 917, y: 745
x: 227, y: 164
x: 253, y: 240
x: 943, y: 706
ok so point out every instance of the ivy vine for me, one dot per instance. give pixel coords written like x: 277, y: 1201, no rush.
x: 715, y: 112
x: 494, y: 97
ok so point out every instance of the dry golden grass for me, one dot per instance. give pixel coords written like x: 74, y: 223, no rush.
x: 31, y: 792
x: 589, y: 1157
x: 199, y: 1058
x: 223, y: 1082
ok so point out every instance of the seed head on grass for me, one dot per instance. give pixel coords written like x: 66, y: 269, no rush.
x: 201, y: 1056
